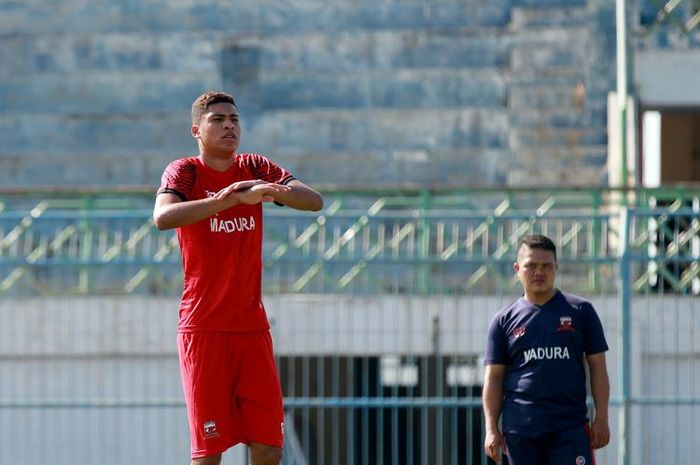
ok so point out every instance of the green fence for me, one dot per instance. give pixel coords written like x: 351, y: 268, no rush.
x: 69, y: 244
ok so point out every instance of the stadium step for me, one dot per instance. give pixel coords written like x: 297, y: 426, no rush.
x: 344, y: 51
x: 539, y: 96
x: 403, y: 88
x: 558, y: 117
x: 274, y: 17
x: 92, y: 135
x: 548, y: 3
x: 542, y: 175
x: 360, y: 129
x: 51, y: 170
x: 547, y: 55
x: 92, y: 92
x: 565, y: 156
x: 523, y: 138
x: 314, y: 15
x: 569, y: 15
x: 416, y: 168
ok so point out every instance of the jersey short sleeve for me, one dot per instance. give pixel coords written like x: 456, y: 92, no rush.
x: 267, y: 170
x: 593, y: 337
x: 496, y: 344
x: 179, y: 178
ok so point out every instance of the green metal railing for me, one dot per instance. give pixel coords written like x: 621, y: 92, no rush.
x: 69, y: 243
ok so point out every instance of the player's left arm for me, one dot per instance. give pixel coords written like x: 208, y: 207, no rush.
x: 300, y: 197
x: 600, y: 389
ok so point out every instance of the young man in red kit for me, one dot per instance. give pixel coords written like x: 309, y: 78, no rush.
x: 215, y: 200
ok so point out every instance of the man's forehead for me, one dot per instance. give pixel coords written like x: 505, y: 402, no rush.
x: 535, y: 254
x: 221, y: 108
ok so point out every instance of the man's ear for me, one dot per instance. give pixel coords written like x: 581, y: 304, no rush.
x: 516, y: 267
x: 195, y: 131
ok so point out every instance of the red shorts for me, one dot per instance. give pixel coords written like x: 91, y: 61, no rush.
x: 232, y: 390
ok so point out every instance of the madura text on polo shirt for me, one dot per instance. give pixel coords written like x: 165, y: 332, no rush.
x: 546, y: 353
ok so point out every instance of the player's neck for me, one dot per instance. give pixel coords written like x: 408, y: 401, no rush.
x: 539, y: 298
x: 218, y: 161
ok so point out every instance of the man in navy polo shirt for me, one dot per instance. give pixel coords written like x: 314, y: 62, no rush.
x: 535, y: 375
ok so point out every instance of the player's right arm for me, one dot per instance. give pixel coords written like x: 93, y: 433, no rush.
x: 492, y: 398
x: 170, y: 211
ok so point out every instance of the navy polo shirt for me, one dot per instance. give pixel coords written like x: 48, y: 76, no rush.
x: 544, y: 347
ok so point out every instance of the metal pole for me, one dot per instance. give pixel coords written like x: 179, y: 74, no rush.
x: 625, y: 285
x: 622, y: 86
x: 424, y: 277
x: 625, y: 344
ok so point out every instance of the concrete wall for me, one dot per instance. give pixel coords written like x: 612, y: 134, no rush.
x: 463, y: 92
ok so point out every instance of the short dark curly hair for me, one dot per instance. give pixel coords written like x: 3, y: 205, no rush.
x: 537, y: 241
x: 201, y: 104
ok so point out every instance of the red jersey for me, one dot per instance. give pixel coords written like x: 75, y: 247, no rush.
x: 221, y: 255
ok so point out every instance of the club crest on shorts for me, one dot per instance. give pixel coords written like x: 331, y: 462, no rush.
x: 210, y: 429
x: 580, y: 460
x: 565, y: 324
